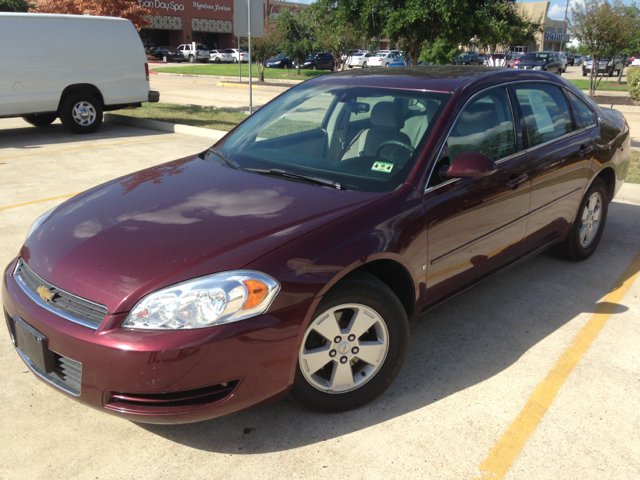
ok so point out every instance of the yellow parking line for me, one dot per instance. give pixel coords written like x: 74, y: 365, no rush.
x: 235, y: 85
x: 91, y: 146
x: 39, y: 201
x: 507, y: 449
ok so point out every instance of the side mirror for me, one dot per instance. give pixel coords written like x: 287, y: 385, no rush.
x: 471, y: 165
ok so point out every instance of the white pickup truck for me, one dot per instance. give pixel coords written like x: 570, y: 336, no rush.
x: 194, y: 52
x: 72, y: 67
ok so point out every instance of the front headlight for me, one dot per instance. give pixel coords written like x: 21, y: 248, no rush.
x: 205, y: 302
x: 39, y: 221
x: 277, y: 63
x: 537, y: 68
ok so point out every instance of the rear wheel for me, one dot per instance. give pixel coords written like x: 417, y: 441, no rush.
x: 611, y: 72
x: 81, y: 113
x: 40, y: 119
x: 354, y: 347
x: 584, y: 74
x: 165, y: 58
x: 192, y: 59
x: 589, y: 224
x: 364, y: 65
x: 235, y: 60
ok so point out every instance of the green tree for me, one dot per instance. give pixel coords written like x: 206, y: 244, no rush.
x: 439, y: 52
x: 333, y: 30
x: 264, y: 48
x: 504, y: 26
x: 633, y: 47
x: 605, y: 28
x: 297, y: 34
x: 14, y: 6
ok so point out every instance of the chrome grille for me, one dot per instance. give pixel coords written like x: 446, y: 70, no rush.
x: 63, y: 303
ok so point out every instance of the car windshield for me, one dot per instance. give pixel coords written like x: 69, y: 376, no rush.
x: 535, y: 57
x: 201, y: 47
x: 282, y: 56
x: 366, y: 139
x: 465, y: 57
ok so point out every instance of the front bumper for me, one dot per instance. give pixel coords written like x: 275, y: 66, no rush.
x: 168, y: 377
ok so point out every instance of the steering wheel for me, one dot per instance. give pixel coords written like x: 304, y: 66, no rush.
x: 396, y: 143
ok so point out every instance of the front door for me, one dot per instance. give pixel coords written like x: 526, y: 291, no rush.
x: 475, y: 225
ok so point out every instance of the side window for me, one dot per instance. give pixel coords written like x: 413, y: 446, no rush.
x: 584, y: 113
x: 485, y: 125
x: 546, y: 112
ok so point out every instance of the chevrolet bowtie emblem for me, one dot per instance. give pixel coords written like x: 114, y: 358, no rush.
x: 44, y: 293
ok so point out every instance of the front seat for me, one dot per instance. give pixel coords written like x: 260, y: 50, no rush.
x: 386, y: 121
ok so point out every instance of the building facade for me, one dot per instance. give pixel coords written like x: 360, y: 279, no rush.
x: 209, y: 22
x: 554, y: 32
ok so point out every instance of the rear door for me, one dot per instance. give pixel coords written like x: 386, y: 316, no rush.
x: 560, y: 152
x: 476, y: 225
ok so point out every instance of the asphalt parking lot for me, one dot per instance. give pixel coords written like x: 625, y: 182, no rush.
x: 535, y: 374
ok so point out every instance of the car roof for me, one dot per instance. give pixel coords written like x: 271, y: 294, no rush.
x: 447, y: 78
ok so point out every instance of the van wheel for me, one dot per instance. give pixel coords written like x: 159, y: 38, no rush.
x: 354, y: 347
x: 40, y: 119
x: 81, y: 113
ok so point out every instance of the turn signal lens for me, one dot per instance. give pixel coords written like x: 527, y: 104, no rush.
x: 257, y: 291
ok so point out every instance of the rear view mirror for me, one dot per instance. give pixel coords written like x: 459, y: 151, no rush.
x: 470, y: 165
x: 357, y: 107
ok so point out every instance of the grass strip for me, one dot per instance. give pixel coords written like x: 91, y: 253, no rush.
x: 605, y: 85
x: 231, y: 70
x: 213, y: 119
x: 633, y: 176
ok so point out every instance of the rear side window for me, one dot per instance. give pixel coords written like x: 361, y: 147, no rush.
x: 485, y: 126
x: 585, y: 115
x: 546, y: 112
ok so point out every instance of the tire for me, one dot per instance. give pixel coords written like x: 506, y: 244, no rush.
x: 584, y: 74
x: 235, y: 60
x: 559, y: 72
x: 314, y: 67
x: 386, y: 64
x: 81, y: 113
x: 611, y: 72
x: 576, y: 248
x: 364, y: 65
x: 217, y: 60
x: 366, y: 380
x: 350, y: 66
x: 192, y: 59
x: 165, y: 59
x: 285, y: 66
x: 40, y: 119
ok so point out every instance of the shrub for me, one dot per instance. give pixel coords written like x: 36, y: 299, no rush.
x: 633, y: 83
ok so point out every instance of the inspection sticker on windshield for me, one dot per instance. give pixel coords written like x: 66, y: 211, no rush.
x: 382, y: 167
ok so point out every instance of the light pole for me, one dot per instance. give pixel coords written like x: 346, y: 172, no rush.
x: 564, y: 27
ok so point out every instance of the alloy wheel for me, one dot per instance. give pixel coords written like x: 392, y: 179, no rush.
x: 344, y: 348
x: 590, y: 219
x: 84, y: 113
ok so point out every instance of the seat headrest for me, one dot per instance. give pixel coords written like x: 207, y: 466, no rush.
x: 387, y: 115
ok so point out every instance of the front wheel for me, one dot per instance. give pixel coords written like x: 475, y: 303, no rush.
x: 584, y: 74
x: 589, y: 224
x: 81, y: 113
x: 40, y: 119
x: 314, y: 67
x: 364, y: 65
x: 611, y: 72
x: 354, y: 347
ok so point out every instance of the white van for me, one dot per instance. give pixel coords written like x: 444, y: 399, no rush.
x: 73, y: 67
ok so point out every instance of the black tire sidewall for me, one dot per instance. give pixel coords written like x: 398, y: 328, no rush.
x: 376, y: 295
x: 573, y: 250
x: 41, y: 119
x: 66, y: 113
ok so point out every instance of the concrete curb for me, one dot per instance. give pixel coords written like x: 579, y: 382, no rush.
x: 223, y: 78
x: 164, y: 126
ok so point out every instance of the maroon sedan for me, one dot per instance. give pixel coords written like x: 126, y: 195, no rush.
x: 291, y: 257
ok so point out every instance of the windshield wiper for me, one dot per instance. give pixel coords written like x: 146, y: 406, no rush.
x: 276, y: 172
x: 225, y: 159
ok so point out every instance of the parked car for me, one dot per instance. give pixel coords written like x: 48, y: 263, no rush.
x: 548, y: 61
x: 578, y: 59
x: 76, y: 91
x: 513, y: 58
x: 468, y: 59
x: 198, y: 54
x: 570, y: 59
x: 219, y: 56
x: 238, y: 55
x: 606, y: 66
x: 403, y: 62
x: 383, y: 58
x: 423, y: 189
x: 319, y: 61
x: 166, y: 54
x: 563, y: 59
x: 279, y: 61
x: 360, y: 59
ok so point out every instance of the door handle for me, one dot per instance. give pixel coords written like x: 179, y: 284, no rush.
x: 513, y: 183
x: 585, y: 150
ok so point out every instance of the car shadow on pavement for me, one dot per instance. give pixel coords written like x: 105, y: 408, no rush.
x: 462, y: 343
x: 27, y: 137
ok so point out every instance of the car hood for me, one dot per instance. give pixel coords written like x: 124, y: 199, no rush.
x: 117, y: 242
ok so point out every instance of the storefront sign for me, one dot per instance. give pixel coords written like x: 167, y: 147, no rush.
x: 215, y: 7
x: 557, y: 37
x: 175, y: 6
